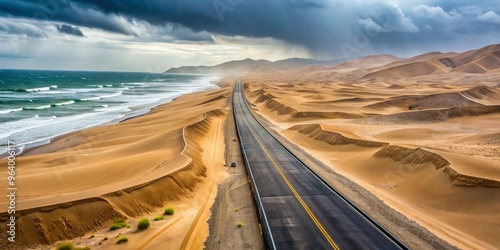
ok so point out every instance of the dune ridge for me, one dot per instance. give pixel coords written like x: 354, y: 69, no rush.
x: 470, y: 97
x: 429, y: 116
x: 419, y: 68
x: 480, y: 92
x: 46, y: 225
x: 433, y: 118
x: 402, y: 102
x: 399, y: 154
x: 273, y: 104
x: 178, y: 172
x: 469, y: 181
x: 473, y: 62
x: 316, y: 132
x: 413, y: 156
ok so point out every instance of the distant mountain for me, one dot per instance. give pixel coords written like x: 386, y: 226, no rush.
x: 369, y: 61
x: 301, y: 62
x: 243, y: 66
x: 235, y: 67
x: 474, y: 61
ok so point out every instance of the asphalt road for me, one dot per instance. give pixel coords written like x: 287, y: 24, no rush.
x: 300, y: 211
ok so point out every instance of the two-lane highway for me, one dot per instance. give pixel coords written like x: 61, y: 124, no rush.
x: 298, y: 210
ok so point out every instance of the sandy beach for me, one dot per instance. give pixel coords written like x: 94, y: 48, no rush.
x: 424, y: 143
x: 77, y: 185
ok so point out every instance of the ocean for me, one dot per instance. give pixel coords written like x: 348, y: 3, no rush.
x: 37, y: 105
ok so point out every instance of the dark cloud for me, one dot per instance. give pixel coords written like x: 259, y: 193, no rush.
x: 70, y: 30
x: 64, y: 11
x: 12, y: 27
x: 325, y: 28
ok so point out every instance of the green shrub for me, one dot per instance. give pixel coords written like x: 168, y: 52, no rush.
x: 143, y: 224
x: 157, y: 218
x: 122, y: 240
x: 91, y: 236
x: 240, y: 224
x: 169, y: 211
x: 117, y: 224
x: 105, y: 238
x: 66, y: 245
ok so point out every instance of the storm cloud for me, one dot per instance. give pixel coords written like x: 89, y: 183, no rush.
x: 326, y: 28
x: 70, y: 30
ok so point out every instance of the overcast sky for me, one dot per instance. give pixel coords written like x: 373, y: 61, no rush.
x: 153, y: 35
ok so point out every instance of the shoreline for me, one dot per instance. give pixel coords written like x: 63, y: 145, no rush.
x: 135, y: 111
x: 38, y: 128
x: 171, y: 161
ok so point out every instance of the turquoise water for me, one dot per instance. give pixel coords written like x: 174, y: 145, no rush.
x: 38, y: 105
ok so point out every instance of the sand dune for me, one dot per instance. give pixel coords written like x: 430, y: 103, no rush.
x: 471, y: 68
x: 477, y: 55
x: 411, y: 69
x: 395, y: 86
x: 412, y: 156
x: 490, y: 138
x: 116, y: 171
x: 483, y: 94
x: 399, y: 102
x: 427, y: 116
x: 277, y: 105
x: 369, y: 61
x: 477, y: 96
x: 446, y: 100
x: 474, y: 61
x: 421, y: 137
x: 316, y: 132
x: 400, y: 155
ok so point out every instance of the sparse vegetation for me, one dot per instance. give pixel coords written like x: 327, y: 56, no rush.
x: 105, y: 238
x: 236, y: 210
x: 91, y: 236
x: 117, y: 224
x: 239, y: 224
x: 157, y: 218
x: 143, y: 224
x: 169, y: 211
x: 66, y: 245
x: 122, y: 240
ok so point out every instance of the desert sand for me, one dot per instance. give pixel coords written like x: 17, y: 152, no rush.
x: 421, y: 134
x: 74, y: 187
x: 414, y: 142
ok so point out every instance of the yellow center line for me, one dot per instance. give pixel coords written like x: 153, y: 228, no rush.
x: 304, y: 205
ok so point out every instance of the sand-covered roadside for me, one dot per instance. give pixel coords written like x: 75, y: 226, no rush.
x: 74, y: 187
x: 426, y: 145
x: 234, y: 204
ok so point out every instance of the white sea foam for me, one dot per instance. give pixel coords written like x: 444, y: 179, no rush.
x: 10, y: 110
x: 39, y: 128
x: 91, y: 98
x: 37, y: 108
x: 111, y: 95
x: 65, y: 103
x: 38, y: 89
